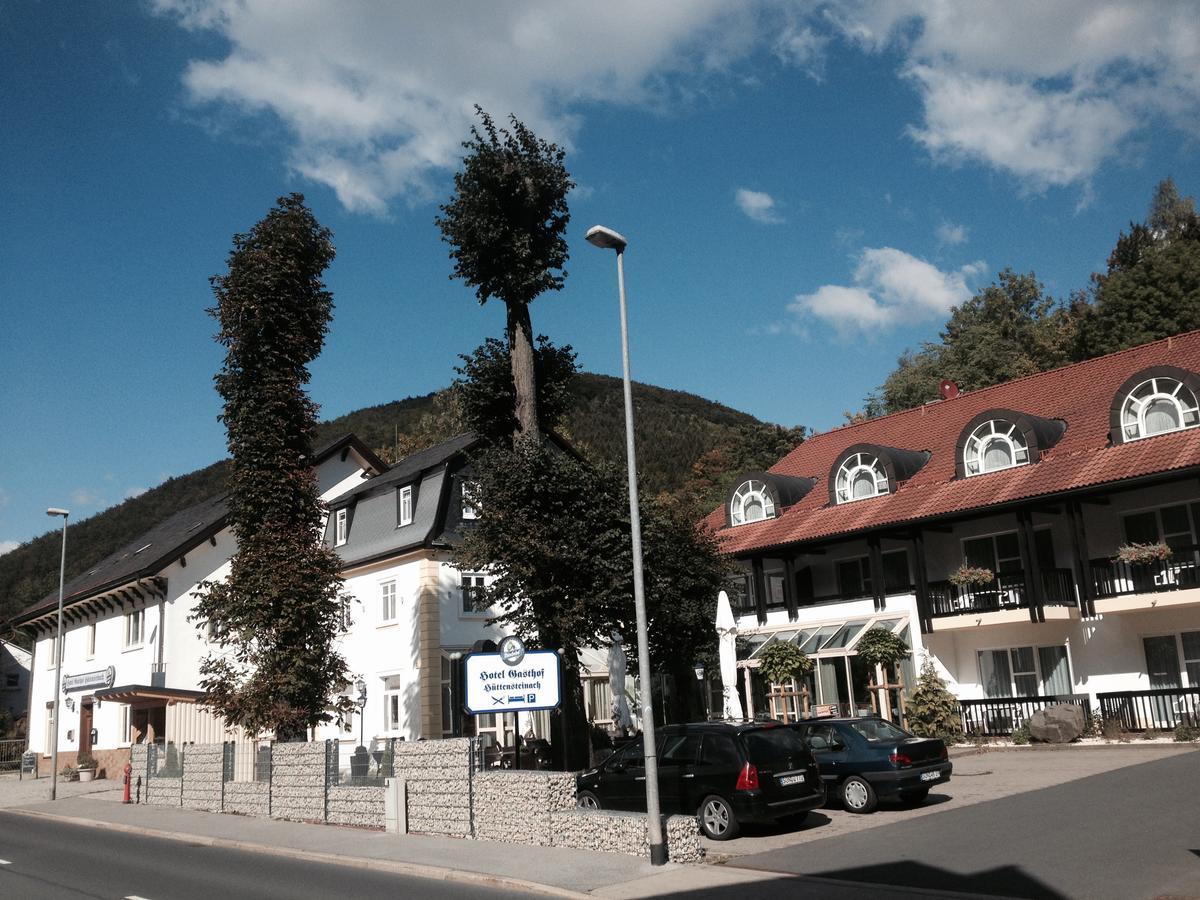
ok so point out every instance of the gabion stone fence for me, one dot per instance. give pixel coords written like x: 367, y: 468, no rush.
x: 442, y: 793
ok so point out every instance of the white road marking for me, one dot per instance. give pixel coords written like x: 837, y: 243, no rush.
x: 5, y: 862
x: 135, y: 897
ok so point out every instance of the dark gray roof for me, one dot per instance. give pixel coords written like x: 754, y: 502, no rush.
x: 143, y: 557
x: 408, y: 469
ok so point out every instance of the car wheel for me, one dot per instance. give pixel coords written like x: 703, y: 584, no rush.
x: 915, y: 798
x: 717, y: 820
x: 857, y: 795
x: 588, y: 800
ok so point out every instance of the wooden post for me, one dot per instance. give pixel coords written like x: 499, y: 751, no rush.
x: 749, y: 695
x: 885, y: 706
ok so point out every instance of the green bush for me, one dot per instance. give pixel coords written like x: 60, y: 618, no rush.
x: 1021, y: 735
x: 783, y: 660
x: 85, y: 760
x: 69, y: 773
x: 1185, y: 734
x: 932, y: 711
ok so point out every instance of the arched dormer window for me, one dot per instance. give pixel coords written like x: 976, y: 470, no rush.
x: 999, y: 439
x: 996, y: 444
x: 1157, y: 405
x: 871, y: 470
x: 860, y: 477
x: 751, y: 503
x: 763, y: 495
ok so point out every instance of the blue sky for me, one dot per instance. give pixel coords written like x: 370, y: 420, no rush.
x: 807, y: 188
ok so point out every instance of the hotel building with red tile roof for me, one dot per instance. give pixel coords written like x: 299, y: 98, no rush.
x: 987, y: 529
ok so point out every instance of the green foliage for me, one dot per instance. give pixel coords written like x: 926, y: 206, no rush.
x: 85, y: 760
x: 1185, y: 734
x: 879, y: 646
x: 69, y: 773
x: 1007, y: 330
x: 782, y: 661
x: 485, y: 396
x: 932, y: 711
x: 1021, y: 736
x: 277, y: 615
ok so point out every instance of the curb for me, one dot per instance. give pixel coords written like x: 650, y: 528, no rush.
x: 435, y: 873
x: 1161, y: 747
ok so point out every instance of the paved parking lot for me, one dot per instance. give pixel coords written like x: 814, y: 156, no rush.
x: 977, y: 778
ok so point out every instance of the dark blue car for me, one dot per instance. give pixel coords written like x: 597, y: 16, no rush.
x: 865, y: 760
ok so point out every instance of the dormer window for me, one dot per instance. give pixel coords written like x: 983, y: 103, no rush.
x: 339, y: 528
x: 751, y: 503
x: 1157, y: 406
x: 860, y: 477
x: 994, y: 445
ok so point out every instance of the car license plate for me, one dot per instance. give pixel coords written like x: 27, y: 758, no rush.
x: 791, y: 779
x: 931, y: 776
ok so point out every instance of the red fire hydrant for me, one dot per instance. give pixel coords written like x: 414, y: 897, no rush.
x: 128, y: 778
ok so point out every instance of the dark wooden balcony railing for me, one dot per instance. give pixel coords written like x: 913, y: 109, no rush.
x: 1005, y: 591
x: 1112, y: 578
x: 999, y: 716
x: 1161, y: 708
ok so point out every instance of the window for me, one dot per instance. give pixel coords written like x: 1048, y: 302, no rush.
x: 51, y: 650
x: 861, y: 477
x: 1025, y: 671
x: 1157, y: 406
x: 51, y: 727
x: 392, y: 702
x: 452, y: 699
x: 406, y: 507
x: 854, y: 575
x: 470, y: 501
x: 1191, y: 656
x: 1002, y: 552
x: 387, y: 601
x: 473, y: 593
x: 12, y: 679
x: 124, y: 725
x: 680, y: 749
x: 1171, y: 524
x: 346, y: 620
x: 339, y: 527
x: 135, y: 627
x: 751, y: 503
x: 994, y: 445
x: 91, y: 640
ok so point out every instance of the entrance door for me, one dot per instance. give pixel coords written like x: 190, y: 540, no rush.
x: 1162, y: 665
x: 85, y: 727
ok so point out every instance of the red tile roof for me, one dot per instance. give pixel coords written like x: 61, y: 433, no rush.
x: 1080, y: 394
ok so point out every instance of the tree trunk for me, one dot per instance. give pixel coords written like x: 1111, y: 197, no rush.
x: 520, y: 351
x: 687, y: 703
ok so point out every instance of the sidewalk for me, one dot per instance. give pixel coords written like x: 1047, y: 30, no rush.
x: 536, y: 870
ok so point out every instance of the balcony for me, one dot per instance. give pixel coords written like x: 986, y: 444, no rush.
x: 1126, y: 587
x: 1001, y: 601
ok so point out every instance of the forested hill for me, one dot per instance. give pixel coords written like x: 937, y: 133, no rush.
x: 686, y: 445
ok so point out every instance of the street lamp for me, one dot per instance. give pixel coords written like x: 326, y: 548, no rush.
x: 359, y: 764
x: 58, y: 649
x: 607, y: 239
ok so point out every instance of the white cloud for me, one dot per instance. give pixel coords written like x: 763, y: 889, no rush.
x: 1045, y: 91
x: 951, y: 235
x: 8, y: 546
x: 890, y: 288
x: 378, y: 97
x: 758, y: 206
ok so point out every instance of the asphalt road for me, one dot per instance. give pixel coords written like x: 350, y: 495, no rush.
x: 1130, y: 833
x: 46, y: 859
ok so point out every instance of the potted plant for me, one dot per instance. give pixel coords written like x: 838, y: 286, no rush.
x: 86, y: 765
x: 882, y: 649
x: 971, y: 576
x: 1143, y: 554
x: 69, y: 773
x: 781, y: 662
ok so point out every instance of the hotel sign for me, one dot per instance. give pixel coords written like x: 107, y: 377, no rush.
x: 104, y: 678
x: 510, y: 681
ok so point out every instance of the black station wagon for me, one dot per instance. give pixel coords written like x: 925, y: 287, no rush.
x: 724, y: 774
x: 866, y: 759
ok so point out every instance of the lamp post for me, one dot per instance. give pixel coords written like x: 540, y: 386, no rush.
x: 455, y: 658
x: 607, y: 239
x: 359, y: 764
x: 58, y: 649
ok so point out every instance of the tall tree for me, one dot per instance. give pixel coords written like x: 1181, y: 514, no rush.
x: 1151, y: 288
x: 505, y: 226
x: 1007, y: 330
x: 277, y: 614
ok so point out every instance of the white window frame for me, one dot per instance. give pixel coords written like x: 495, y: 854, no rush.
x: 470, y: 510
x: 991, y: 431
x: 406, y: 506
x: 393, y: 703
x: 126, y: 721
x: 346, y: 620
x: 1133, y: 409
x: 339, y: 527
x: 51, y: 650
x: 470, y: 580
x: 388, y: 603
x: 848, y: 471
x: 750, y: 490
x: 1037, y: 667
x: 90, y: 638
x: 135, y: 619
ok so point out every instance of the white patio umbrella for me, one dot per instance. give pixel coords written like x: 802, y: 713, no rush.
x: 622, y: 719
x: 727, y: 649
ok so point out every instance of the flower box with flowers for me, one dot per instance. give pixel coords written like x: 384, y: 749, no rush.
x: 1143, y: 554
x: 971, y: 576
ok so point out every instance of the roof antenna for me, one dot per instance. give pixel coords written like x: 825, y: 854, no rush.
x: 948, y: 389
